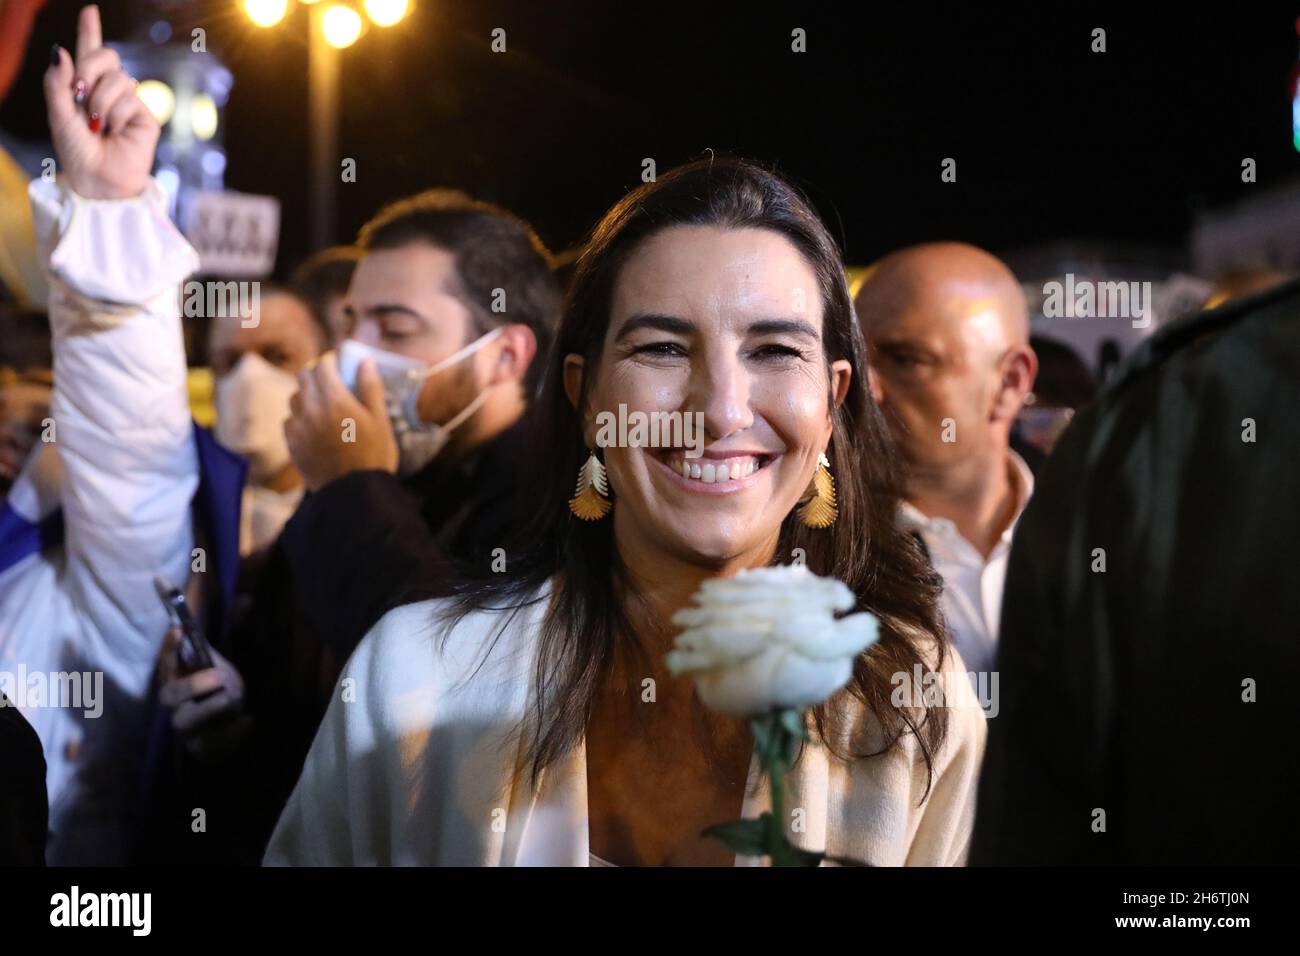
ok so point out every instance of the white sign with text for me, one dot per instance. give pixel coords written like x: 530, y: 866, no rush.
x: 236, y: 234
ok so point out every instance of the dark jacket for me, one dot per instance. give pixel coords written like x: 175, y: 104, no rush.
x: 355, y: 549
x: 24, y: 808
x: 1156, y: 697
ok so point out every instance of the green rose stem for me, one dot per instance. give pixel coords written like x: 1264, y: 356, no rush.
x: 773, y: 729
x: 776, y: 735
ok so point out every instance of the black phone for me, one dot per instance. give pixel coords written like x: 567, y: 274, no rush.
x: 195, y: 652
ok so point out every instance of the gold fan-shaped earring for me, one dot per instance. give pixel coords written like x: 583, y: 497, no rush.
x: 591, y: 500
x: 819, y: 510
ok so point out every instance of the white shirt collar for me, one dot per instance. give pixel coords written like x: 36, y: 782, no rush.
x: 1024, y: 481
x: 911, y: 518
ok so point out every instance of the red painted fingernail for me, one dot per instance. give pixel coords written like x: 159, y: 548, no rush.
x: 79, y: 91
x: 94, y: 122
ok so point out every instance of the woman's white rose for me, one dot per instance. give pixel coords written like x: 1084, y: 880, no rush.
x: 768, y: 638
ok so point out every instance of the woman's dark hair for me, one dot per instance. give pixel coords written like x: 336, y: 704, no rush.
x: 593, y: 604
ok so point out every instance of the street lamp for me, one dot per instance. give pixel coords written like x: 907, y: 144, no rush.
x: 335, y: 25
x: 384, y: 13
x: 341, y: 25
x: 266, y: 13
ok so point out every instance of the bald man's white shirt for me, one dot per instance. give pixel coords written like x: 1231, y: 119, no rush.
x: 972, y: 587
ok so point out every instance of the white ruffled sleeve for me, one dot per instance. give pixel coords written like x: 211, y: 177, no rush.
x: 121, y: 415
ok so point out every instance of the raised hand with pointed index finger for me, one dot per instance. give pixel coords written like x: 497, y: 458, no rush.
x: 105, y: 143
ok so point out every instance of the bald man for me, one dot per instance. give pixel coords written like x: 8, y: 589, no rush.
x: 948, y: 329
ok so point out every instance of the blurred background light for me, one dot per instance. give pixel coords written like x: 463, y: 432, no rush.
x: 169, y: 179
x: 213, y: 162
x: 266, y: 13
x: 384, y: 13
x: 203, y: 116
x: 342, y: 26
x: 159, y: 98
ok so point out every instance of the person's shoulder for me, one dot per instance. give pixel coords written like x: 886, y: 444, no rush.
x: 968, y: 710
x: 945, y: 686
x: 446, y: 616
x: 944, y: 682
x: 402, y: 629
x: 1260, y: 324
x: 437, y: 643
x: 1244, y: 349
x: 938, y: 654
x: 936, y: 681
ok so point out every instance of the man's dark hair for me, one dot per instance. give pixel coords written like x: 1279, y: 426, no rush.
x: 493, y: 248
x: 1063, y: 378
x: 324, y: 276
x: 320, y: 325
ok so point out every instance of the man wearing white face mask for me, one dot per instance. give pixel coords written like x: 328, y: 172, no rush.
x: 408, y: 441
x: 408, y: 438
x: 255, y: 364
x: 404, y: 380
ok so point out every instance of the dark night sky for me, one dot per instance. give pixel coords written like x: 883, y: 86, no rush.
x: 1051, y: 141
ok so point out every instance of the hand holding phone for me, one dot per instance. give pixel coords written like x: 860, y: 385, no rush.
x: 196, y: 655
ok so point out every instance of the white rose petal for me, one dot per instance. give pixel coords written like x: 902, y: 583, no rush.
x: 732, y: 641
x: 769, y: 638
x: 848, y: 636
x: 804, y: 683
x: 743, y: 690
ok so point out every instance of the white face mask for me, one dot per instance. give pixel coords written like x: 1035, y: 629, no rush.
x: 252, y: 402
x: 418, y: 441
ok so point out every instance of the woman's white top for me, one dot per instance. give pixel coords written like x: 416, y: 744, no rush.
x: 418, y: 762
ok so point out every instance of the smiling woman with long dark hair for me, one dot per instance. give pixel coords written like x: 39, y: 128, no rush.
x: 529, y: 718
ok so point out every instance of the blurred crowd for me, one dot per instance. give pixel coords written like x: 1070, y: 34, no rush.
x: 398, y: 426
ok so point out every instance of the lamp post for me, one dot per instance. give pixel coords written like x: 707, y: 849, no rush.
x: 333, y: 25
x: 323, y: 96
